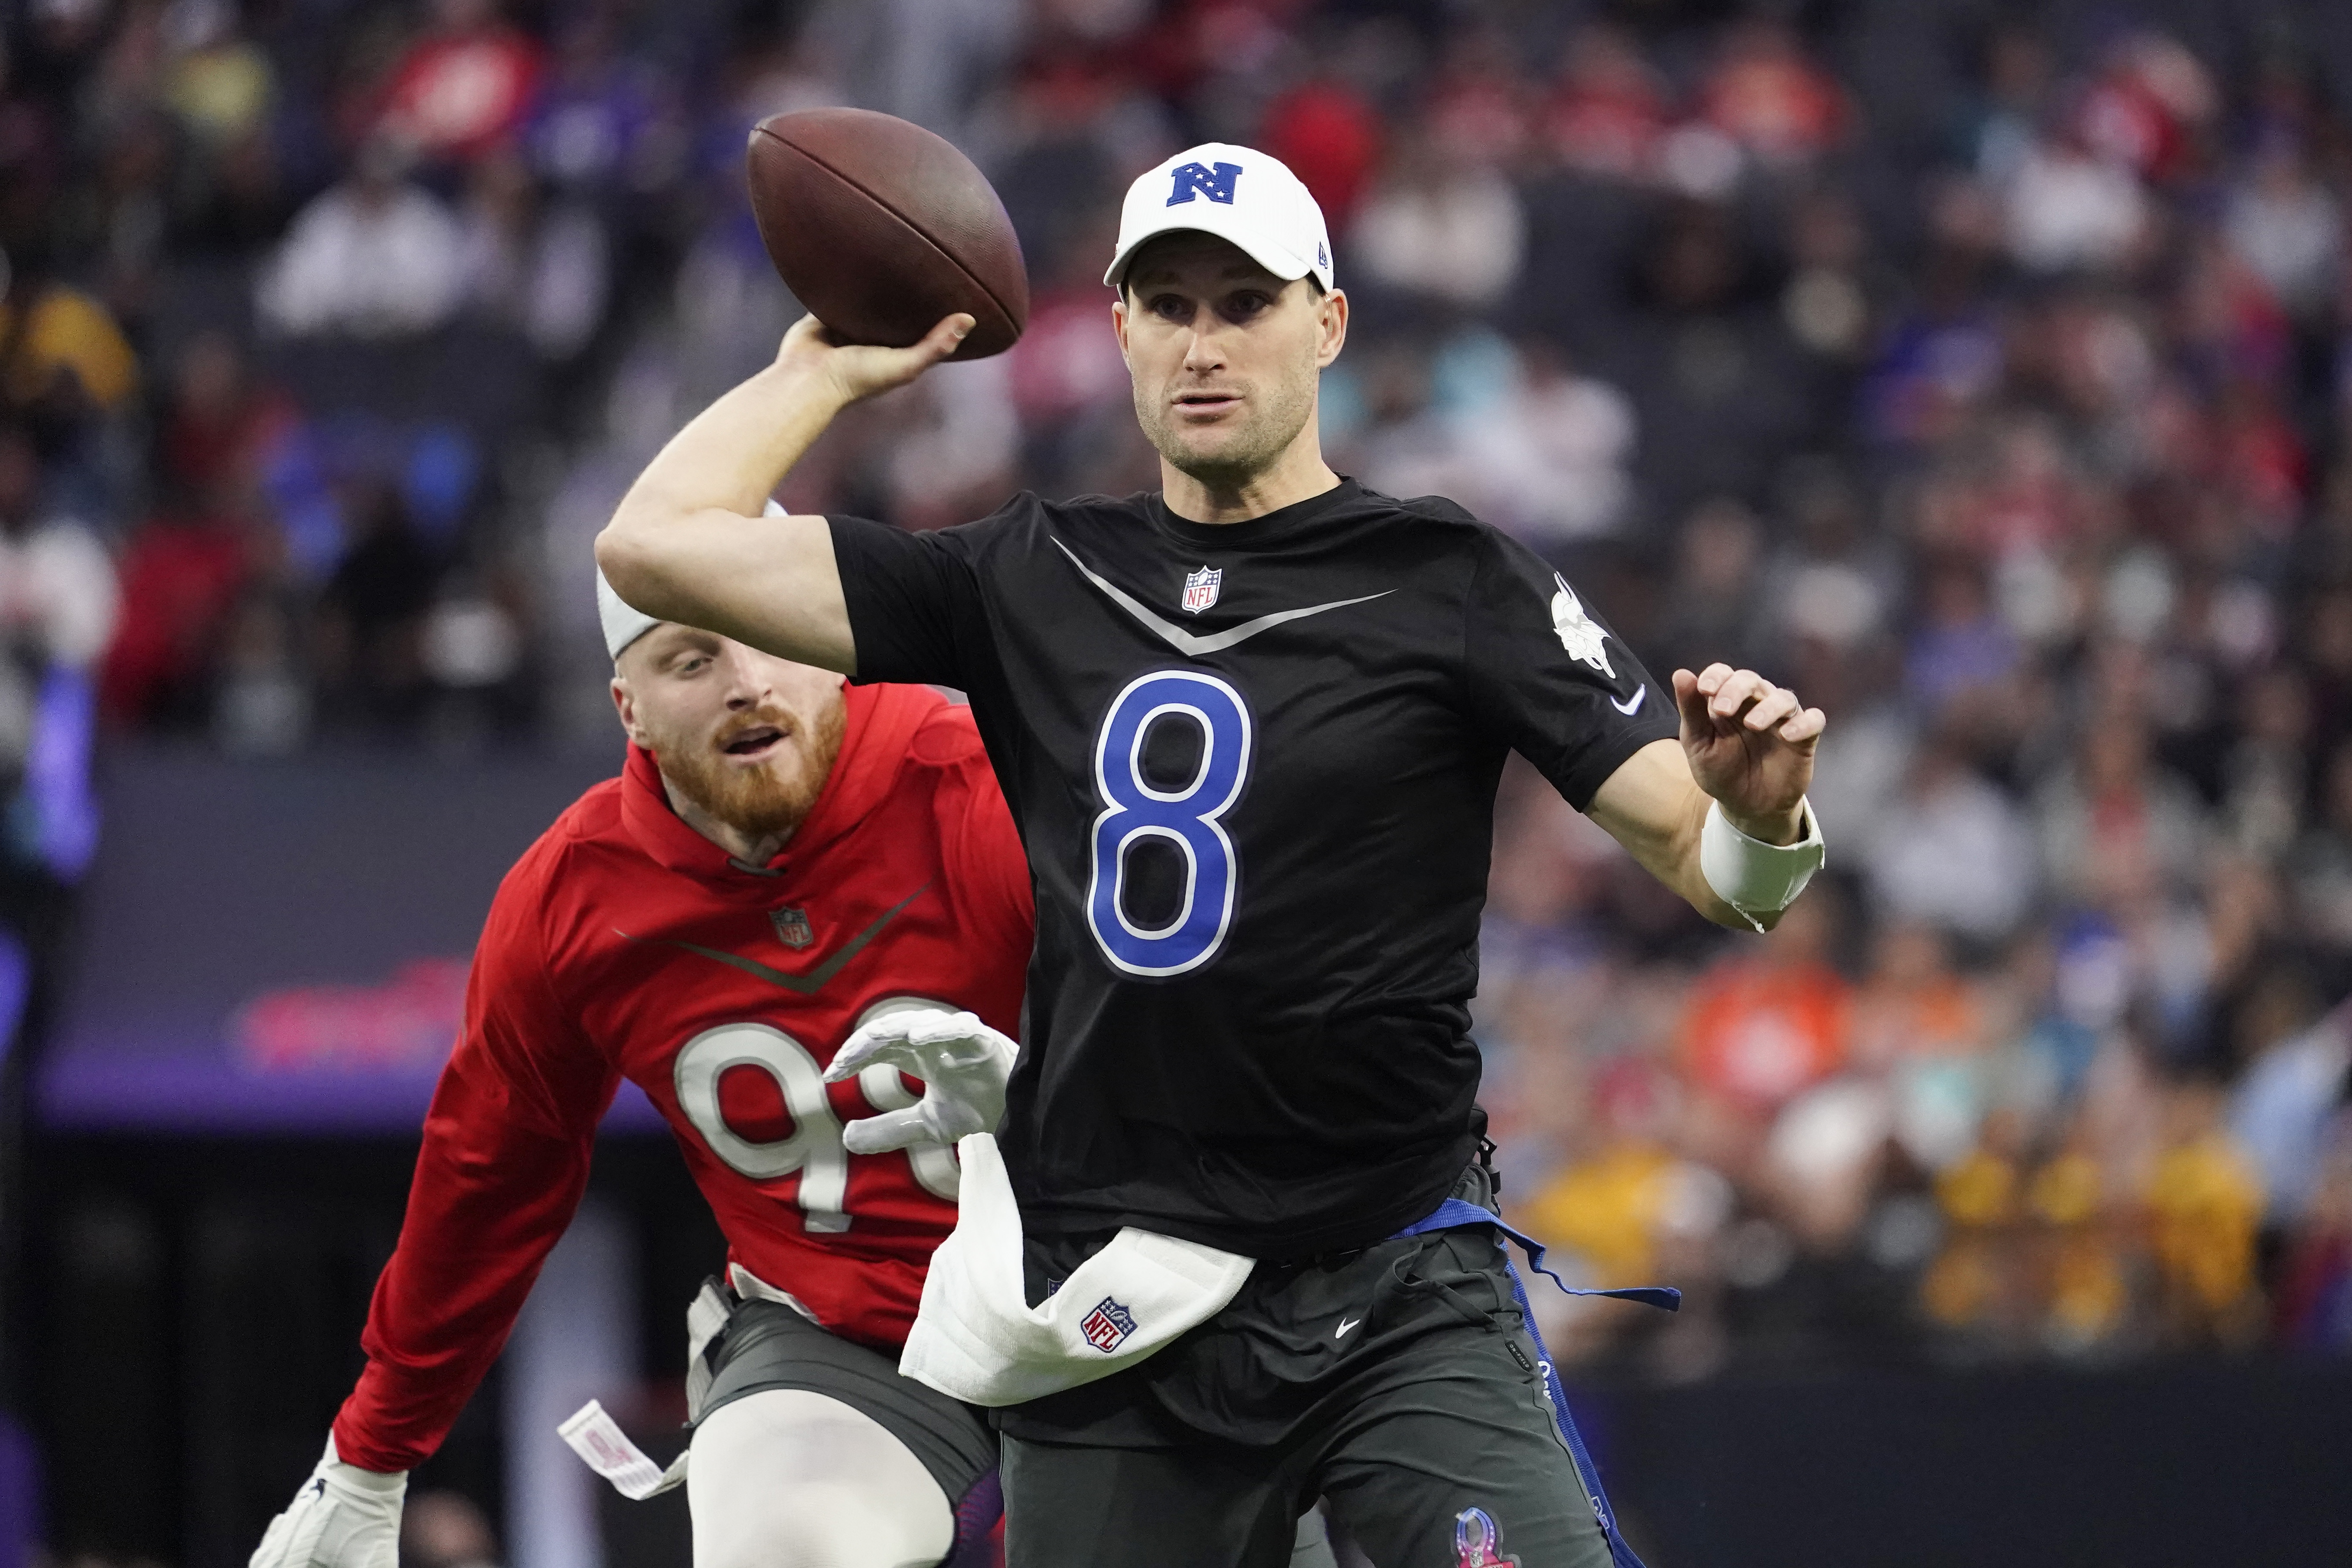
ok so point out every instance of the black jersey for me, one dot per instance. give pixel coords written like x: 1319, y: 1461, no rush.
x: 1255, y: 766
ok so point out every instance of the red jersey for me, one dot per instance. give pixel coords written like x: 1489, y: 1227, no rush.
x: 623, y: 944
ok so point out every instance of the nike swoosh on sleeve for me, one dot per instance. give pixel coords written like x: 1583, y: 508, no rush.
x: 805, y: 985
x: 1185, y: 642
x: 1633, y: 707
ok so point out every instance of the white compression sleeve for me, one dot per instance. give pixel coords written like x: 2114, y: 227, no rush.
x: 790, y: 1478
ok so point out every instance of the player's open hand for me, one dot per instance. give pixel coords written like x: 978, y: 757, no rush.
x: 963, y: 1064
x: 863, y: 370
x: 343, y: 1517
x: 1750, y: 745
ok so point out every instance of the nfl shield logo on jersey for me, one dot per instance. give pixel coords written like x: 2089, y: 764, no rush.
x: 1108, y: 1325
x: 791, y: 927
x: 1200, y: 588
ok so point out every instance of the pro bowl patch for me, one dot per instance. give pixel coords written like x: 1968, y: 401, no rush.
x: 1475, y: 1537
x: 1107, y: 1326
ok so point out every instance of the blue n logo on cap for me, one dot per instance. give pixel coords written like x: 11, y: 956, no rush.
x: 1217, y: 184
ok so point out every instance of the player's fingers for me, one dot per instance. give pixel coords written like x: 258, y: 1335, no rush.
x: 951, y: 1043
x: 302, y: 1536
x: 272, y: 1550
x: 364, y: 1546
x: 1736, y: 691
x: 1805, y: 725
x: 877, y: 1042
x: 910, y: 1040
x: 939, y: 1027
x: 1711, y: 679
x: 891, y: 1131
x: 887, y: 1053
x: 897, y: 368
x: 1776, y: 704
x: 863, y: 371
x: 1690, y: 701
x: 947, y: 337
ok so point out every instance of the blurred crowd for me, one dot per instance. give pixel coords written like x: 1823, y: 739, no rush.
x: 1984, y: 372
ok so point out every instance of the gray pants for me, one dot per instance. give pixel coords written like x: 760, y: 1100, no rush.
x: 1399, y: 1383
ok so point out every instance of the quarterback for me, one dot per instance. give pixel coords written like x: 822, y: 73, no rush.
x: 1251, y: 724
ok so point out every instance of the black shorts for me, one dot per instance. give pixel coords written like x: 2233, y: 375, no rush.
x: 1399, y: 1383
x: 766, y: 1344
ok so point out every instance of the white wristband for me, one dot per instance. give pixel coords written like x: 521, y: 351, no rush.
x: 1751, y: 876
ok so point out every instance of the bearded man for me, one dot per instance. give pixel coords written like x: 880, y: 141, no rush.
x: 781, y: 865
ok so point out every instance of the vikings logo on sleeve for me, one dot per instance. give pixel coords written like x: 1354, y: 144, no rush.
x: 1580, y: 634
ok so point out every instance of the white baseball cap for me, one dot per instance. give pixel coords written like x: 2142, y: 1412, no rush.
x: 623, y: 622
x: 1237, y: 193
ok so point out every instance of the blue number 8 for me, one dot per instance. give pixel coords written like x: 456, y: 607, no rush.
x: 1187, y: 817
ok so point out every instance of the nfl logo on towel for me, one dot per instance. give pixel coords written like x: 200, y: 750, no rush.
x: 1200, y: 588
x: 1109, y: 1323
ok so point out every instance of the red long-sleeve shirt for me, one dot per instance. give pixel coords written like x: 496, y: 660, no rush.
x: 625, y: 944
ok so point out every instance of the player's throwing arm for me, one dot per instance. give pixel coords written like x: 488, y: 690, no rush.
x: 688, y: 543
x: 905, y: 257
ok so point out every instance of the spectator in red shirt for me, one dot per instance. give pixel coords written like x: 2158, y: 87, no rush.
x: 1610, y: 109
x: 222, y: 424
x: 1330, y: 137
x: 181, y: 577
x: 1761, y: 1027
x: 464, y: 86
x: 1769, y: 98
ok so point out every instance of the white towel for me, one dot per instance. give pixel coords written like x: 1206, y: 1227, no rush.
x: 977, y: 1337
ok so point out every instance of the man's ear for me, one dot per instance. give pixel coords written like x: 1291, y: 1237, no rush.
x: 1118, y: 321
x: 1334, y: 323
x: 624, y: 703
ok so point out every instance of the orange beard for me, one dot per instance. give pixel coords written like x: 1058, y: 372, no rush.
x: 773, y: 799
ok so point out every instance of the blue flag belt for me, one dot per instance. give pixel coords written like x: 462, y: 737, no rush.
x: 1455, y: 1213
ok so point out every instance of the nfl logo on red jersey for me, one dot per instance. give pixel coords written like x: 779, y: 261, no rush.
x: 1200, y: 588
x: 791, y: 927
x: 1108, y: 1325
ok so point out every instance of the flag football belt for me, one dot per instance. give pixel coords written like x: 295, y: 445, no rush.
x: 596, y: 1437
x: 977, y: 1337
x: 1457, y: 1212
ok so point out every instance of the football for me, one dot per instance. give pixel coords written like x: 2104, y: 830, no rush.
x: 880, y: 228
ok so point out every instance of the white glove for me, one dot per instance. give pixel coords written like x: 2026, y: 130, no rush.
x: 963, y: 1064
x: 343, y: 1517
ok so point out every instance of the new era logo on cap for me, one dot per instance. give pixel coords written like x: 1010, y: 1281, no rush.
x: 1237, y: 193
